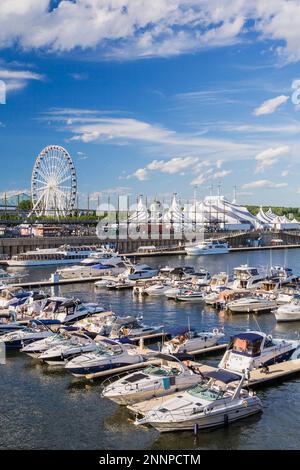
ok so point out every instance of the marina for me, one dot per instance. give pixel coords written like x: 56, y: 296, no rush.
x: 165, y: 311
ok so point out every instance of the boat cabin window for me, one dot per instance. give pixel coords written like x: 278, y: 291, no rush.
x: 161, y: 371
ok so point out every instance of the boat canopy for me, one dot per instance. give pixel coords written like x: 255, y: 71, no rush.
x: 223, y: 376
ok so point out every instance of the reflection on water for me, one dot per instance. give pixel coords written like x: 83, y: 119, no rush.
x: 46, y: 408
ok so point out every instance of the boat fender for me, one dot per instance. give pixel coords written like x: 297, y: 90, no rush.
x: 245, y: 403
x: 207, y: 410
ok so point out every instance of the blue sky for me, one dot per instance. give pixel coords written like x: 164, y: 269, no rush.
x: 154, y: 98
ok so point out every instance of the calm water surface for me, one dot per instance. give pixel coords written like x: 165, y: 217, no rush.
x: 43, y: 407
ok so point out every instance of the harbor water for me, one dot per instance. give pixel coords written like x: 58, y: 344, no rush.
x: 44, y: 407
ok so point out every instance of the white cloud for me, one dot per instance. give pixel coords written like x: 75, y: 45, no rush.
x: 269, y: 157
x: 285, y: 173
x: 175, y: 165
x: 264, y: 184
x: 222, y: 174
x: 95, y: 126
x: 269, y: 106
x: 16, y: 79
x: 141, y: 174
x: 141, y: 28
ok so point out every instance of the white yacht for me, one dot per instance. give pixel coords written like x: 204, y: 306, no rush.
x: 208, y: 247
x: 131, y: 327
x: 158, y: 289
x: 254, y: 349
x: 17, y: 339
x: 253, y: 304
x: 189, y: 341
x: 108, y: 355
x: 169, y: 376
x: 9, y: 295
x: 220, y: 401
x: 67, y: 311
x: 52, y: 256
x: 75, y: 345
x: 109, y: 265
x: 141, y: 271
x: 97, y: 323
x: 247, y: 277
x: 36, y: 348
x: 190, y: 296
x: 289, y: 311
x: 283, y: 275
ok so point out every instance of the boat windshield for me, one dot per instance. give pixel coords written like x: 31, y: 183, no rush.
x: 161, y: 371
x: 251, y: 347
x: 105, y: 350
x: 202, y: 391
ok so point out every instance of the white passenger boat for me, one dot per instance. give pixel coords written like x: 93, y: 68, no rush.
x: 108, y: 355
x: 188, y: 341
x: 208, y: 247
x: 219, y: 402
x: 290, y: 311
x: 36, y: 348
x: 168, y: 377
x: 254, y: 349
x: 110, y: 266
x: 255, y: 304
x: 52, y: 256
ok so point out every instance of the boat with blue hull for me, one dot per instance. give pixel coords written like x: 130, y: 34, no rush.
x: 255, y: 349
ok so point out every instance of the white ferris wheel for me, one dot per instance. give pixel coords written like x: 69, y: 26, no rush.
x: 53, y: 183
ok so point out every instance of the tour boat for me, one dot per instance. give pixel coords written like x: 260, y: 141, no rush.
x: 109, y: 355
x: 289, y: 311
x: 188, y: 341
x: 219, y: 402
x: 65, y: 254
x: 208, y: 247
x: 168, y: 377
x: 254, y: 349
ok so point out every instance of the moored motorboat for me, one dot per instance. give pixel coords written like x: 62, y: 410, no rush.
x: 188, y: 341
x: 169, y: 376
x: 290, y: 311
x: 255, y: 304
x: 34, y: 331
x: 254, y: 349
x: 76, y: 343
x: 220, y: 401
x: 109, y: 355
x: 190, y: 296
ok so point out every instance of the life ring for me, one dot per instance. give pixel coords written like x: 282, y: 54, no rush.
x: 207, y: 410
x: 215, y: 331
